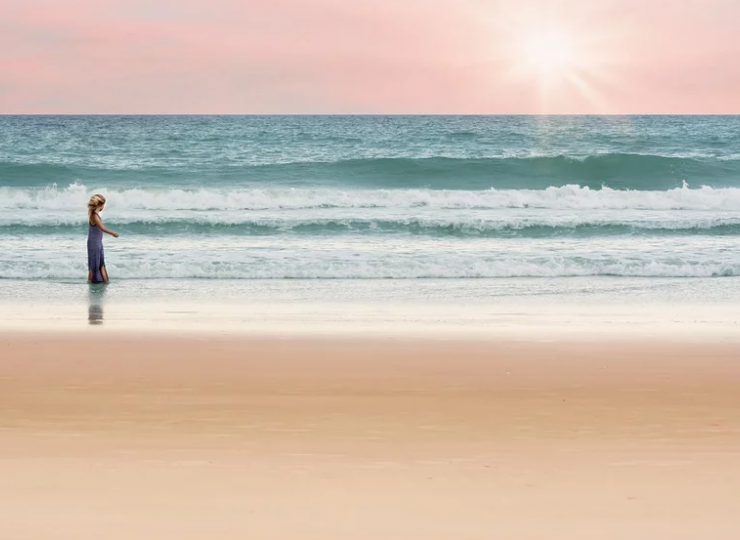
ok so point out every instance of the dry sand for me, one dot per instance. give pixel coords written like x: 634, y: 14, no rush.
x: 165, y: 438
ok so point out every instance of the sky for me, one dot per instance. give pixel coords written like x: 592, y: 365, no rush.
x: 369, y: 57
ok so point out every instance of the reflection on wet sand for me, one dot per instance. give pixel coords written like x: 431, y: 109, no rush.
x: 96, y: 296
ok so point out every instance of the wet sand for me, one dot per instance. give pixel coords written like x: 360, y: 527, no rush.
x: 200, y: 438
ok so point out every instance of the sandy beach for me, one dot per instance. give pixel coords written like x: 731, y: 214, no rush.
x: 195, y: 438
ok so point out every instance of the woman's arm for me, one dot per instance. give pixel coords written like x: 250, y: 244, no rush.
x: 99, y: 223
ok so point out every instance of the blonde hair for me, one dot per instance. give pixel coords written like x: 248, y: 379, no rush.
x: 96, y: 202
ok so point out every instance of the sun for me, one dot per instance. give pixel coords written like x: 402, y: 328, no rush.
x: 550, y: 54
x: 564, y: 56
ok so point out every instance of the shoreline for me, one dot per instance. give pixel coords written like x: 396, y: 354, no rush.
x: 460, y: 322
x: 528, y: 309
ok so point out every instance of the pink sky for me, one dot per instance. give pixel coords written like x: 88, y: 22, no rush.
x: 364, y: 56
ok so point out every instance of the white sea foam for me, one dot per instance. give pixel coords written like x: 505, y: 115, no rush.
x: 420, y: 221
x: 573, y: 197
x: 163, y: 255
x: 374, y: 263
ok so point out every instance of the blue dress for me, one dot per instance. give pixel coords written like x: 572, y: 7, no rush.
x: 95, y: 255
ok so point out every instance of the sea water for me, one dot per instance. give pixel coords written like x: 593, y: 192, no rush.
x: 453, y: 209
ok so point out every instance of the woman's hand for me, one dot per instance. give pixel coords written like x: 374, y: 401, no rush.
x: 114, y: 234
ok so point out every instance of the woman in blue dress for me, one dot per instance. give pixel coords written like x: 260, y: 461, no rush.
x: 95, y: 256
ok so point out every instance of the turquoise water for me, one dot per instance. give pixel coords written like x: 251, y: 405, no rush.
x: 383, y: 198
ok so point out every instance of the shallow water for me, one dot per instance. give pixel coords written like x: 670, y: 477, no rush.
x: 516, y: 308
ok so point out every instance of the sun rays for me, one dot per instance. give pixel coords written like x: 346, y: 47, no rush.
x: 566, y: 59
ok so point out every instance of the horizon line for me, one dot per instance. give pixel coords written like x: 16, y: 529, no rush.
x: 378, y: 114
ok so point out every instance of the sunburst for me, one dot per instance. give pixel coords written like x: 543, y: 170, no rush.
x: 558, y: 56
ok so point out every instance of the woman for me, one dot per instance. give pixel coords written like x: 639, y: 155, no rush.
x: 95, y: 256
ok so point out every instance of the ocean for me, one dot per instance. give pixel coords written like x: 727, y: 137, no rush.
x: 385, y: 204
